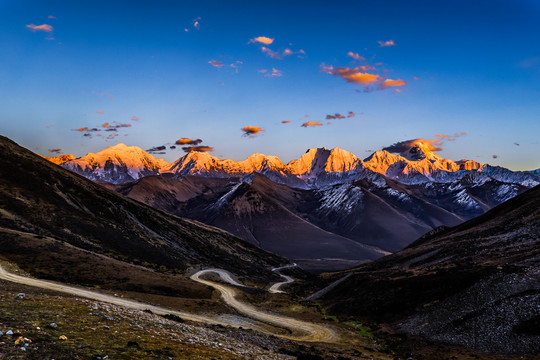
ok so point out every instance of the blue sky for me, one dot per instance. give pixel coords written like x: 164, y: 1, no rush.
x: 460, y: 67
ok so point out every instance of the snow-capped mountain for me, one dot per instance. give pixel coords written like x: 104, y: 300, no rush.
x: 60, y: 159
x: 318, y: 167
x: 117, y: 164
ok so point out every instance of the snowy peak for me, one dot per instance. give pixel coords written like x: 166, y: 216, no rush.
x: 202, y: 163
x: 117, y: 164
x: 419, y: 151
x: 319, y: 160
x: 59, y: 159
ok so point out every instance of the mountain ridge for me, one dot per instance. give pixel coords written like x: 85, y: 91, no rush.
x: 317, y: 167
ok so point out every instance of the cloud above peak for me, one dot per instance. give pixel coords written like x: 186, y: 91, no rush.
x: 427, y: 144
x: 200, y: 148
x: 188, y: 141
x: 311, y: 123
x: 251, y: 131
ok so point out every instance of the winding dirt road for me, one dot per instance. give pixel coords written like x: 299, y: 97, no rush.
x: 274, y: 289
x: 310, y: 332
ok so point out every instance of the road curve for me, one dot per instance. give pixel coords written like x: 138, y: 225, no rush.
x: 310, y: 332
x: 323, y: 334
x: 94, y: 295
x: 274, y: 289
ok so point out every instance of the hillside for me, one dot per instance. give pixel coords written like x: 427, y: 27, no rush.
x: 51, y: 218
x: 476, y: 284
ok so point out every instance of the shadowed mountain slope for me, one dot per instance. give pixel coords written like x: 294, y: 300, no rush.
x: 43, y: 199
x: 476, y: 284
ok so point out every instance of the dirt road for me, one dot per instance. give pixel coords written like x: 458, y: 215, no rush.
x: 310, y: 331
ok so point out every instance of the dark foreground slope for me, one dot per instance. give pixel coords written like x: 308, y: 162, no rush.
x: 45, y: 209
x: 477, y: 284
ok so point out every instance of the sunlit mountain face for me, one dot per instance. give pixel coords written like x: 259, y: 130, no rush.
x: 327, y: 209
x: 415, y: 164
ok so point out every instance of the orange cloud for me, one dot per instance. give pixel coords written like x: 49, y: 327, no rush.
x: 311, y: 123
x: 286, y: 121
x: 216, y: 63
x: 351, y: 114
x: 80, y: 129
x: 188, y: 141
x: 134, y: 118
x: 114, y: 126
x: 99, y: 111
x: 356, y: 56
x: 251, y: 130
x: 287, y: 52
x: 201, y: 148
x: 398, y: 90
x: 43, y: 27
x: 262, y: 39
x: 428, y: 144
x: 387, y: 83
x: 352, y: 75
x: 387, y: 43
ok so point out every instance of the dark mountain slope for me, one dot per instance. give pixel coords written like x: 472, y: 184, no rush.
x: 41, y: 198
x: 477, y: 284
x: 257, y: 210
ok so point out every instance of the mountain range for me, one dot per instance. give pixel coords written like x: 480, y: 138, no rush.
x: 317, y: 167
x: 326, y: 210
x: 51, y: 215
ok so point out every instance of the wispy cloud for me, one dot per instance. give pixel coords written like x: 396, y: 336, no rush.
x: 335, y: 116
x: 269, y: 52
x: 115, y: 125
x: 195, y: 24
x: 387, y: 43
x: 201, y: 148
x: 134, y: 118
x: 251, y: 131
x: 236, y: 65
x: 352, y: 75
x: 51, y: 17
x: 356, y: 56
x: 55, y: 151
x: 285, y: 121
x: 431, y: 144
x: 157, y: 150
x: 188, y: 141
x: 262, y: 40
x: 109, y: 95
x: 43, y: 27
x: 99, y: 112
x: 388, y: 83
x: 216, y: 63
x: 275, y: 72
x: 311, y: 123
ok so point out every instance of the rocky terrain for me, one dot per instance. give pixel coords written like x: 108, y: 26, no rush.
x: 475, y: 285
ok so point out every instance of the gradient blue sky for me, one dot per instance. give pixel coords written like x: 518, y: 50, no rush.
x: 477, y: 65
